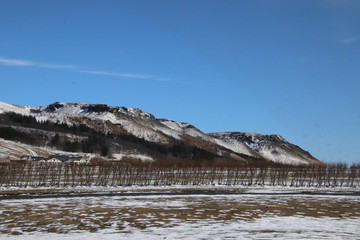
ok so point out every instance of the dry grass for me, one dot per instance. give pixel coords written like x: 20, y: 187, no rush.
x: 73, y: 216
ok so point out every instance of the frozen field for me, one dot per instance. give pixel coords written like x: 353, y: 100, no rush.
x: 182, y: 217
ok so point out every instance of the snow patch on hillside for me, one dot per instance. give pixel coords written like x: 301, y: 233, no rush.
x: 235, y: 146
x: 121, y: 156
x: 53, y: 117
x: 272, y: 147
x: 137, y: 112
x: 279, y: 156
x: 105, y: 116
x: 169, y: 132
x: 71, y: 110
x: 177, y: 126
x: 143, y: 132
x: 186, y: 128
x: 14, y: 150
x: 5, y: 107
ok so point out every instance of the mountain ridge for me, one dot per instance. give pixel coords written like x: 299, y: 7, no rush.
x: 133, y: 130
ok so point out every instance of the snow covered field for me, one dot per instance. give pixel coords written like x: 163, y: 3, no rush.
x: 241, y: 216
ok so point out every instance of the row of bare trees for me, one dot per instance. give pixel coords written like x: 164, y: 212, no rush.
x: 126, y: 174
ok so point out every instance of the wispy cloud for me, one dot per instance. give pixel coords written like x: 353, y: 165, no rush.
x: 26, y: 63
x: 125, y: 75
x: 349, y: 40
x: 15, y: 62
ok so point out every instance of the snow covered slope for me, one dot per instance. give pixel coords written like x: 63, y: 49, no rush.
x: 12, y: 150
x: 271, y: 147
x: 4, y: 107
x: 135, y: 122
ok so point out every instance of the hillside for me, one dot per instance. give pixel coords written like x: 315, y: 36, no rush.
x: 120, y: 133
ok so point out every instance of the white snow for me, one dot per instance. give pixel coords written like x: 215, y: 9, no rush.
x: 178, y: 217
x: 71, y: 109
x: 177, y: 126
x: 281, y: 157
x: 264, y: 228
x: 107, y: 116
x: 4, y: 107
x: 186, y: 128
x: 273, y: 152
x: 120, y: 156
x: 144, y: 132
x: 15, y: 150
x: 235, y: 146
x: 138, y: 112
x: 169, y: 132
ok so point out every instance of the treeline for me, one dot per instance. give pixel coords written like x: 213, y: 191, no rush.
x: 12, y: 134
x: 16, y: 119
x: 179, y: 150
x: 127, y: 174
x: 92, y: 144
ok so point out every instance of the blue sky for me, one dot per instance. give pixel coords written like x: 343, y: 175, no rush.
x: 274, y: 66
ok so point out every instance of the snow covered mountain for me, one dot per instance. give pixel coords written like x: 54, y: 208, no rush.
x: 115, y: 131
x: 271, y: 147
